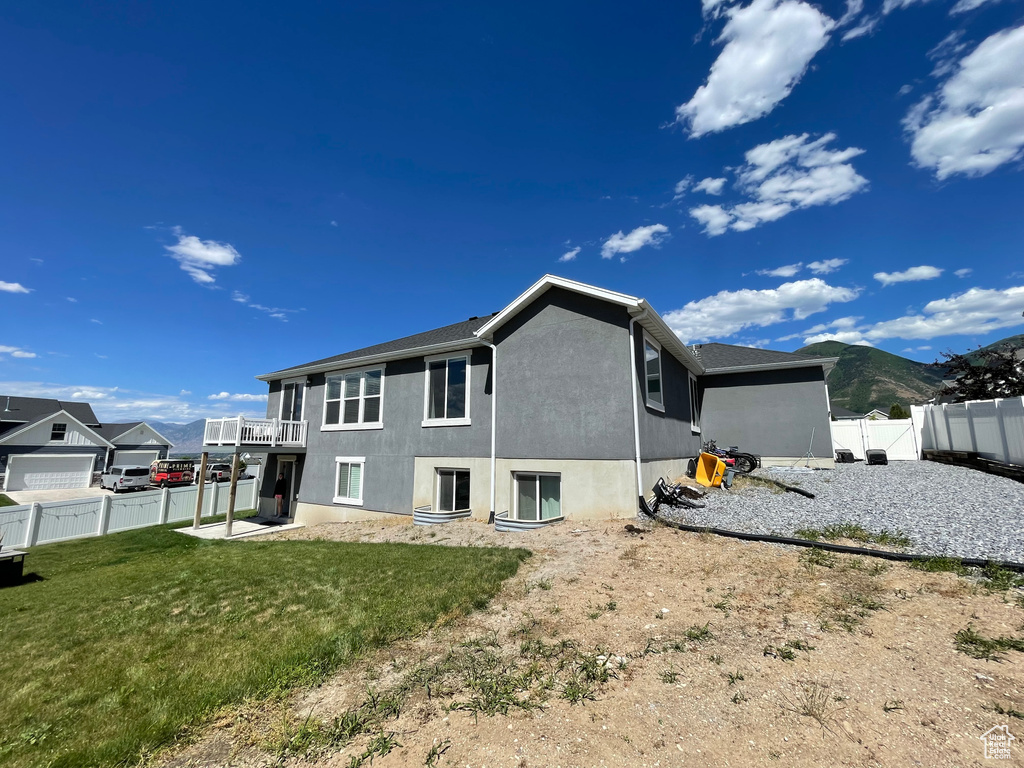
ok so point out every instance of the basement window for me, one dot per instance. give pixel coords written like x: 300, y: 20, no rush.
x: 452, y: 490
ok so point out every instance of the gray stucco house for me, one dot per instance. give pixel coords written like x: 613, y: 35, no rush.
x: 48, y: 444
x: 568, y: 403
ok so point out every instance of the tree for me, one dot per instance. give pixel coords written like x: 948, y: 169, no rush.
x: 898, y: 412
x: 988, y: 373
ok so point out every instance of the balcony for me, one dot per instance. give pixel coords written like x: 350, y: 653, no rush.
x: 241, y: 431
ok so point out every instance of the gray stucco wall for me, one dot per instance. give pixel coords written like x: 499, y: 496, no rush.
x: 389, y: 452
x: 664, y: 435
x: 563, y: 380
x: 770, y: 413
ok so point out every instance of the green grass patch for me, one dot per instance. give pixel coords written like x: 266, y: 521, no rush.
x: 940, y: 565
x: 855, y: 532
x: 125, y: 639
x: 7, y: 501
x: 989, y: 648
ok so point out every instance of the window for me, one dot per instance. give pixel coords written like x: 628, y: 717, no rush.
x: 446, y: 391
x: 694, y: 404
x: 58, y: 433
x: 652, y: 374
x: 452, y: 490
x: 352, y: 400
x: 538, y: 497
x: 291, y: 400
x: 348, y: 480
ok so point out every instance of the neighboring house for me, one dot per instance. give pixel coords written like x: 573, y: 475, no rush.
x: 47, y: 444
x: 842, y: 414
x: 570, y: 402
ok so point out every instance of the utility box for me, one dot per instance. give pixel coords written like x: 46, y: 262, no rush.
x: 844, y: 456
x: 876, y: 456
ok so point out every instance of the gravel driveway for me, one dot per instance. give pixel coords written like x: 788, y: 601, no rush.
x: 945, y: 510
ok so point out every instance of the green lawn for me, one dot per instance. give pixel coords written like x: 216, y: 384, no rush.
x: 129, y: 637
x: 7, y: 501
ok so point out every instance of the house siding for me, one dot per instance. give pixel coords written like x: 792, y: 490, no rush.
x: 563, y: 382
x: 390, y: 452
x: 668, y: 434
x: 99, y: 451
x: 770, y: 413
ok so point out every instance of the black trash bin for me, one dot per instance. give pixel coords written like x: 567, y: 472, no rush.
x: 876, y: 456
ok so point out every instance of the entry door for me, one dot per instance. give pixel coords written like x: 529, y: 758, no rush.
x: 291, y: 401
x: 288, y: 468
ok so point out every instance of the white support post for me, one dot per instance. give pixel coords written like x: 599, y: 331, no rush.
x: 101, y: 529
x: 213, y: 498
x: 255, y: 496
x: 275, y: 423
x: 165, y: 505
x: 238, y: 434
x: 34, y: 518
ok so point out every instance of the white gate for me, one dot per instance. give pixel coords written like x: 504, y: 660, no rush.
x: 897, y: 437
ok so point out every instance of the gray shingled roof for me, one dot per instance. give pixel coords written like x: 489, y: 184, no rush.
x: 448, y: 334
x: 110, y: 431
x: 26, y: 409
x: 715, y: 356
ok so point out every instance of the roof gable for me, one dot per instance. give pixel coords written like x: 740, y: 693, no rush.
x: 128, y: 434
x: 59, y: 416
x: 25, y: 409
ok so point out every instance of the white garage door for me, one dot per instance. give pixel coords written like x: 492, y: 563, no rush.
x: 135, y: 458
x: 44, y: 473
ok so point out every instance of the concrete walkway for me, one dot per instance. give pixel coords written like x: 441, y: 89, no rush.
x: 58, y: 494
x: 240, y: 529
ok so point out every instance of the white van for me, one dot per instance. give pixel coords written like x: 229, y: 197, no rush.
x: 125, y: 478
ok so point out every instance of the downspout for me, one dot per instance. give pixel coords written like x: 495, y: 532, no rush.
x: 494, y: 420
x: 636, y: 410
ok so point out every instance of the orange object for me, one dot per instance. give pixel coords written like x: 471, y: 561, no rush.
x: 710, y: 470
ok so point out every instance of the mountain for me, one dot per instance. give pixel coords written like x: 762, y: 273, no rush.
x: 187, y: 438
x: 866, y: 378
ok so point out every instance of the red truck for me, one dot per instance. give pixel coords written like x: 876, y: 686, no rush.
x: 165, y: 472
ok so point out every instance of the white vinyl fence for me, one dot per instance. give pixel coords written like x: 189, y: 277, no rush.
x: 992, y: 428
x: 899, y: 438
x: 42, y: 523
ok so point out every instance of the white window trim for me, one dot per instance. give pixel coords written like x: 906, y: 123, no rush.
x: 361, y: 461
x: 63, y: 440
x: 360, y: 426
x: 460, y: 422
x: 693, y: 394
x: 515, y: 493
x: 661, y: 374
x: 437, y: 488
x: 305, y: 396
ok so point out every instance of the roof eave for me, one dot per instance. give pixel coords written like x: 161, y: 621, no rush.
x: 827, y: 363
x: 660, y: 330
x: 359, y: 362
x: 14, y: 433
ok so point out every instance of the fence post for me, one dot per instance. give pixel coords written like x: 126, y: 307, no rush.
x: 101, y: 529
x: 34, y: 518
x: 213, y: 497
x: 200, y: 488
x: 1002, y: 429
x: 949, y: 432
x: 165, y: 505
x: 970, y: 428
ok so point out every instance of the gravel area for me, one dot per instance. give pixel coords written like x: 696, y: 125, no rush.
x: 945, y: 510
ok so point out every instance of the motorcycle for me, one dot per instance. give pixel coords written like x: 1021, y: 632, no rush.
x: 744, y: 463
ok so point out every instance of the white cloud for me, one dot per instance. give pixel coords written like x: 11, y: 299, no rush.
x: 896, y: 5
x: 679, y: 190
x: 727, y: 312
x: 238, y: 398
x: 710, y: 186
x: 278, y: 313
x: 963, y: 272
x: 570, y: 255
x: 334, y: 223
x: 94, y: 320
x: 782, y: 176
x: 185, y: 392
x: 910, y: 275
x: 975, y: 122
x: 13, y: 287
x: 114, y: 404
x: 826, y: 266
x: 768, y: 45
x: 866, y: 26
x: 974, y: 312
x: 785, y: 271
x: 968, y: 5
x: 199, y: 257
x: 73, y: 301
x: 654, y: 235
x: 15, y: 352
x: 37, y: 261
x: 924, y: 348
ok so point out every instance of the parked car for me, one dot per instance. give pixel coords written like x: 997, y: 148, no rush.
x: 120, y: 479
x: 218, y: 473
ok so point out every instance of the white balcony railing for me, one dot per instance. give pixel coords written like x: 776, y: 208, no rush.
x: 267, y: 432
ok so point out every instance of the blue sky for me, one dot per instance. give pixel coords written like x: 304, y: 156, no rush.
x: 194, y: 194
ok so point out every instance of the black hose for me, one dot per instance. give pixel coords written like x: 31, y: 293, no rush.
x: 903, y: 557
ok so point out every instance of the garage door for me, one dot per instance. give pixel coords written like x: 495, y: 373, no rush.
x: 135, y: 458
x: 44, y: 473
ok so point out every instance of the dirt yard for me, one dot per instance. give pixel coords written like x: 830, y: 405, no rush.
x: 661, y: 649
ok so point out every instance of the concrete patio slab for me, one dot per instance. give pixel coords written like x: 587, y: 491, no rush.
x: 240, y: 529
